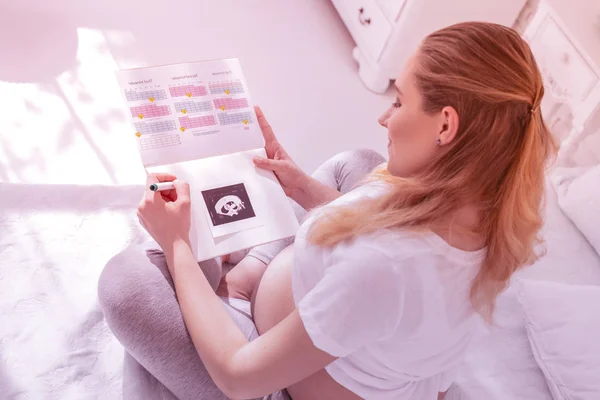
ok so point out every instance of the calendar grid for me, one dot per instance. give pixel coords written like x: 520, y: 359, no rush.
x: 197, y: 122
x: 238, y: 118
x: 233, y: 87
x: 150, y: 110
x: 157, y: 141
x: 134, y: 95
x: 188, y: 90
x: 192, y: 107
x: 146, y: 128
x: 230, y: 103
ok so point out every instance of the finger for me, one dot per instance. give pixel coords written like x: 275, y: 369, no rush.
x: 160, y: 177
x: 168, y: 195
x: 140, y: 212
x: 141, y: 221
x: 165, y: 177
x: 271, y: 165
x: 149, y: 195
x: 154, y: 178
x: 265, y: 127
x: 182, y: 190
x: 280, y: 154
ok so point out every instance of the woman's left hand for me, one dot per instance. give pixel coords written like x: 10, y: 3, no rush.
x: 166, y: 214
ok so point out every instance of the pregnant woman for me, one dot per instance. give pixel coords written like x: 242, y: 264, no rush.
x: 377, y: 296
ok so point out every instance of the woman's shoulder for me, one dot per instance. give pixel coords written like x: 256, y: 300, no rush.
x: 403, y: 246
x: 394, y: 243
x: 367, y: 190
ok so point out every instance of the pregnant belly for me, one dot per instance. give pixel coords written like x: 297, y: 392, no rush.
x: 273, y: 301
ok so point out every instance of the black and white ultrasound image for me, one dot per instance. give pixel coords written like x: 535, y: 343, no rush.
x: 228, y: 204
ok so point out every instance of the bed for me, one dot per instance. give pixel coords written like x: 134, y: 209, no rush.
x: 55, y: 239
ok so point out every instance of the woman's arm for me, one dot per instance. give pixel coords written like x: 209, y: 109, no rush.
x: 303, y: 189
x: 314, y: 193
x: 299, y: 186
x: 281, y: 357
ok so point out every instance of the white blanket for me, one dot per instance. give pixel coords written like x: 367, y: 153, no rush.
x: 54, y: 242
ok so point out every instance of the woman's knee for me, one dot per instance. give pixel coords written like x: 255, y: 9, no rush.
x: 350, y: 167
x: 128, y: 283
x: 363, y: 156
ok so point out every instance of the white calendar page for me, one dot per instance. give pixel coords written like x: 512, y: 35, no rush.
x: 190, y: 111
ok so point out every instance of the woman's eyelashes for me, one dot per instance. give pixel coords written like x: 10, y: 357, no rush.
x: 397, y: 104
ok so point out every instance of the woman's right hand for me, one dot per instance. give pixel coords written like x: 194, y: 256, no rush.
x: 292, y: 179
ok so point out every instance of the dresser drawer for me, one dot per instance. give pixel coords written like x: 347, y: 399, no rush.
x: 391, y: 8
x: 566, y: 71
x: 367, y: 24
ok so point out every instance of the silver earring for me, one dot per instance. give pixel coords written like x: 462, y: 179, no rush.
x: 439, y: 142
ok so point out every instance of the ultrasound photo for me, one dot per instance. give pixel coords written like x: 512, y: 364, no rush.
x: 228, y: 204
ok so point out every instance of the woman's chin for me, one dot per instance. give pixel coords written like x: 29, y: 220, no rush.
x: 389, y: 168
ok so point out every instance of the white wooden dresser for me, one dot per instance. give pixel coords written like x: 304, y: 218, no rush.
x: 564, y: 36
x: 387, y: 32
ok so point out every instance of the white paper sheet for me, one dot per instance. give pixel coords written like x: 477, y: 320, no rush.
x: 189, y: 111
x: 274, y: 219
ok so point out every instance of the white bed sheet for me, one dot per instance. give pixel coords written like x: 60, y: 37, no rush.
x: 500, y: 364
x: 54, y: 241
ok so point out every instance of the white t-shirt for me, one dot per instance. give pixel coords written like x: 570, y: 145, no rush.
x: 393, y: 306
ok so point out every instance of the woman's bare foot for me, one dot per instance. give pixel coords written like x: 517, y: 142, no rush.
x: 241, y: 281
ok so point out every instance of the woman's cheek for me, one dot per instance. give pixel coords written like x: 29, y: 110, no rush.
x: 395, y: 129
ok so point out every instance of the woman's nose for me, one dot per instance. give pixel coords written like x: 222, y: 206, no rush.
x: 383, y: 119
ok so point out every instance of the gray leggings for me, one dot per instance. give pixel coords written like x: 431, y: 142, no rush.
x: 137, y: 296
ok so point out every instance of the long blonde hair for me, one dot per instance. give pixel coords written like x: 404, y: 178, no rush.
x: 498, y: 157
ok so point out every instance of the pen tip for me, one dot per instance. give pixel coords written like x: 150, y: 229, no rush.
x: 153, y: 187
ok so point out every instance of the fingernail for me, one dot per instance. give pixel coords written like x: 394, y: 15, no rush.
x: 257, y: 159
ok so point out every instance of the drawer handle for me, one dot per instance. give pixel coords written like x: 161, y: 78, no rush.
x: 361, y: 18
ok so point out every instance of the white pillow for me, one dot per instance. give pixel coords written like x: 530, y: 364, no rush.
x: 579, y: 198
x: 563, y: 326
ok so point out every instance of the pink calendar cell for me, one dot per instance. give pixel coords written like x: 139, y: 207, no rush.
x: 149, y: 111
x: 188, y: 90
x: 230, y: 103
x: 197, y: 122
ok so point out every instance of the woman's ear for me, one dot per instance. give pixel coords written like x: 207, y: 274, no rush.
x: 449, y: 126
